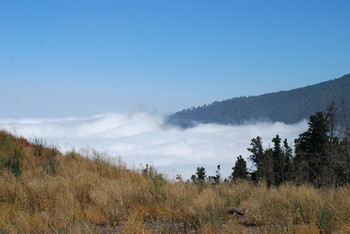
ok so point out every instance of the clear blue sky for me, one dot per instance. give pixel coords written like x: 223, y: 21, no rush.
x: 79, y: 58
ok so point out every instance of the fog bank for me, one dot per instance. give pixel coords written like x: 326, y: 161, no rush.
x: 141, y: 138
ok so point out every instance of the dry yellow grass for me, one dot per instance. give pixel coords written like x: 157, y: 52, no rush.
x: 51, y: 192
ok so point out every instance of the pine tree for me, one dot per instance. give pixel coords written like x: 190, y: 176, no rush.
x: 268, y: 167
x: 201, y: 174
x: 257, y: 157
x: 278, y: 161
x: 240, y: 169
x: 288, y: 158
x: 311, y: 150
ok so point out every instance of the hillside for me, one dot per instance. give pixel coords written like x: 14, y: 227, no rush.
x: 284, y: 106
x: 45, y: 191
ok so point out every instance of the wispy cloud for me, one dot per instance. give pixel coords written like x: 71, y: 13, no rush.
x: 141, y: 138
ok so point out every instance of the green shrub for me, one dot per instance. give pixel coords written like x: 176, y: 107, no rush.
x: 54, y: 151
x: 13, y: 162
x: 39, y: 145
x: 157, y: 183
x: 14, y: 165
x: 52, y: 166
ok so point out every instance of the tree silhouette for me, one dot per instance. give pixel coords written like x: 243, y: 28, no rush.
x: 240, y: 169
x: 257, y: 157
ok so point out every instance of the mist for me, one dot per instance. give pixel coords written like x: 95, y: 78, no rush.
x: 141, y: 138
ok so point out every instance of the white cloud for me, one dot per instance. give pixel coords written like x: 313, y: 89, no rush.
x: 141, y: 138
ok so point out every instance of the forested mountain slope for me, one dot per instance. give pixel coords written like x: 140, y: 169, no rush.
x: 284, y: 106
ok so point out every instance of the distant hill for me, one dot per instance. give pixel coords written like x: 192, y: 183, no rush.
x: 284, y: 106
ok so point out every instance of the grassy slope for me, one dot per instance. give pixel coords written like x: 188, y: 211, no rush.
x: 42, y: 190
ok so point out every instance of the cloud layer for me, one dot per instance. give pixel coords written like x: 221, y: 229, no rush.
x: 141, y: 138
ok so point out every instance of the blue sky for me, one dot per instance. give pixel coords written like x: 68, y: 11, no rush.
x: 80, y: 58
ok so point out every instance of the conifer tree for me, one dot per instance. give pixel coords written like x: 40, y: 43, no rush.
x: 288, y: 158
x: 311, y: 150
x: 278, y: 161
x: 257, y: 157
x: 201, y: 174
x: 240, y: 169
x: 268, y: 167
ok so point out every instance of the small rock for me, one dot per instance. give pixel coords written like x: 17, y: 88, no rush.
x: 237, y: 211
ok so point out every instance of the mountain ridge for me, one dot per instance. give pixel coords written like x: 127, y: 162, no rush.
x: 289, y: 106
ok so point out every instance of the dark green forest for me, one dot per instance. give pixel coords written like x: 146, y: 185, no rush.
x: 284, y: 106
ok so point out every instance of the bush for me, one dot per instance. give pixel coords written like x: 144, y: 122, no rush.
x: 39, y: 145
x: 52, y: 166
x: 13, y: 162
x: 156, y: 184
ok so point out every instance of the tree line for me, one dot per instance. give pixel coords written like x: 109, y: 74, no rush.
x: 321, y: 155
x: 284, y: 106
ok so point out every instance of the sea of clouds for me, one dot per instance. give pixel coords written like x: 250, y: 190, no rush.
x: 141, y: 138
